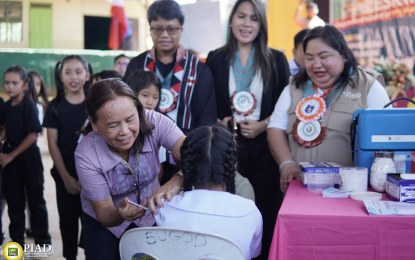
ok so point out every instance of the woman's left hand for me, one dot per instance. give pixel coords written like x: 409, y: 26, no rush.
x: 251, y: 128
x: 130, y: 212
x: 167, y: 191
x: 5, y: 159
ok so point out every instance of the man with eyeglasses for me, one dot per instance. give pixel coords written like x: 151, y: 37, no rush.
x: 188, y: 93
x: 312, y: 20
x: 121, y: 63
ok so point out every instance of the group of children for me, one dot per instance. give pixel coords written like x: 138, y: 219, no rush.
x: 21, y: 119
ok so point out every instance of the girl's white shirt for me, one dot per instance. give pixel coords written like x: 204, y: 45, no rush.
x: 226, y: 214
x: 40, y: 112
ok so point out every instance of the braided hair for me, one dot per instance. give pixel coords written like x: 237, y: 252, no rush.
x: 208, y: 156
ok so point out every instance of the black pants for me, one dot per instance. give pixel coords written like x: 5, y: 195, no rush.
x: 26, y: 170
x: 256, y: 163
x: 99, y: 242
x: 70, y: 212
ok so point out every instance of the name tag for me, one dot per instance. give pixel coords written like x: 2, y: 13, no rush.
x: 351, y: 95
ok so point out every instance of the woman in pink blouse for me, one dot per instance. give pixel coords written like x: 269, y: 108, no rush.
x: 116, y: 161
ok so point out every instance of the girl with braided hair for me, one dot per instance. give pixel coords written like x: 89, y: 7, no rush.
x: 208, y: 164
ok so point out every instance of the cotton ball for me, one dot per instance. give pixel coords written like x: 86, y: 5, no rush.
x: 380, y: 168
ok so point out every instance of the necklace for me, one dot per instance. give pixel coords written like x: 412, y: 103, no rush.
x: 137, y: 178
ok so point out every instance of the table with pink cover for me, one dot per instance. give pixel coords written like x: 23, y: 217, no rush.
x: 312, y: 227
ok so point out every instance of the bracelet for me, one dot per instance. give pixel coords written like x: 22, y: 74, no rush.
x: 178, y: 174
x: 287, y: 162
x: 266, y: 122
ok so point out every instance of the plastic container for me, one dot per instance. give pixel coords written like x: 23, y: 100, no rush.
x: 353, y: 179
x: 366, y: 195
x: 317, y: 182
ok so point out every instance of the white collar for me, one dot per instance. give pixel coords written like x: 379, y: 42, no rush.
x: 213, y: 203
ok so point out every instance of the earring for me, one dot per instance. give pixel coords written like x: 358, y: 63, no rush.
x: 230, y: 25
x: 345, y: 60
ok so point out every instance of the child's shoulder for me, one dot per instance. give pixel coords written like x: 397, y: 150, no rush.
x: 213, y: 202
x: 26, y: 103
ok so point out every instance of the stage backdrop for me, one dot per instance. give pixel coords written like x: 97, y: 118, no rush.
x: 375, y: 28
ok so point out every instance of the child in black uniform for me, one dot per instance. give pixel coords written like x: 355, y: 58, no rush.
x: 2, y: 106
x: 64, y: 117
x: 21, y: 158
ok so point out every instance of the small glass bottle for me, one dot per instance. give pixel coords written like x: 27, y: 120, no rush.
x: 381, y: 166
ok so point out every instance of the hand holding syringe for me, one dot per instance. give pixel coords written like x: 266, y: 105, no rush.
x: 138, y: 205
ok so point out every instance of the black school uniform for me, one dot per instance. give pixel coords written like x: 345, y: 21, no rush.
x: 25, y: 171
x: 69, y: 119
x: 2, y: 107
x: 255, y: 161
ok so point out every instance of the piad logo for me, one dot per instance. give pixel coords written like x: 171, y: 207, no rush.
x: 30, y: 248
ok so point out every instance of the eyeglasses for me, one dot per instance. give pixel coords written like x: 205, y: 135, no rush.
x: 120, y: 65
x: 170, y: 30
x: 309, y: 7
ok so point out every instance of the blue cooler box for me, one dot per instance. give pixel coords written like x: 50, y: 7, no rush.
x: 392, y: 130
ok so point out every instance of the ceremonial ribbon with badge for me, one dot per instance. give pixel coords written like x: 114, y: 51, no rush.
x: 168, y: 97
x: 243, y: 102
x: 307, y: 130
x: 169, y: 94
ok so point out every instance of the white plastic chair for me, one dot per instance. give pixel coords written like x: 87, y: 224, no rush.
x: 174, y: 244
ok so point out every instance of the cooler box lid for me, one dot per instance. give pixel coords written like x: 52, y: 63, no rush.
x: 393, y: 129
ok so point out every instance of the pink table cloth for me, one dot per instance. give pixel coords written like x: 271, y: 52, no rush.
x: 312, y: 227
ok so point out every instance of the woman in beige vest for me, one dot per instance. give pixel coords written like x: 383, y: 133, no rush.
x: 315, y: 110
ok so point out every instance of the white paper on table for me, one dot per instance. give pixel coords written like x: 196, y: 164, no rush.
x: 389, y: 208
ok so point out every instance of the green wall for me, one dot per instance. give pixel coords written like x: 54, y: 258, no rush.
x: 44, y: 61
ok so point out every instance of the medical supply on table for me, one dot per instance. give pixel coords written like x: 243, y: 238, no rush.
x: 317, y: 182
x: 407, y: 176
x: 319, y: 167
x: 400, y: 189
x: 353, y: 179
x: 374, y: 129
x: 382, y: 165
x: 365, y: 195
x: 389, y: 208
x: 138, y: 205
x: 335, y: 193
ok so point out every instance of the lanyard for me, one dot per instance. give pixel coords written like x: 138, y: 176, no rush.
x: 137, y: 193
x: 325, y: 94
x: 244, y: 76
x: 165, y: 81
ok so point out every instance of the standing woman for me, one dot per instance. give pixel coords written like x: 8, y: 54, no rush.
x: 249, y: 77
